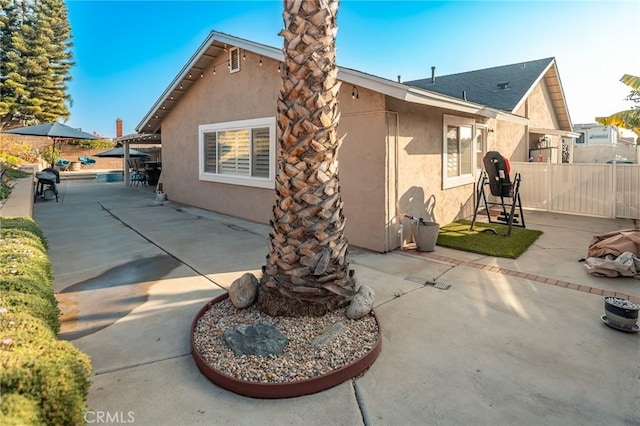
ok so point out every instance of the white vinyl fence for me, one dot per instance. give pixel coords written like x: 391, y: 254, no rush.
x: 604, y: 190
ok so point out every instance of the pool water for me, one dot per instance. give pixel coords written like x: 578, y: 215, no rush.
x: 110, y: 177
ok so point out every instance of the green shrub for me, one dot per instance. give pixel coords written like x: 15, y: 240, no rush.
x: 19, y: 329
x: 55, y: 374
x: 21, y: 150
x: 43, y: 380
x: 92, y: 143
x: 16, y: 173
x: 10, y: 160
x: 24, y: 265
x: 34, y: 305
x: 25, y: 285
x: 26, y: 255
x: 24, y: 223
x: 5, y: 190
x: 18, y: 410
x: 22, y: 237
x: 50, y: 154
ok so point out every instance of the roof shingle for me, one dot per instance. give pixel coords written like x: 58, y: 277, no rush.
x: 481, y: 86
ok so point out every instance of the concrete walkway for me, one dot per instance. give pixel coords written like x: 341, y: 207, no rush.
x: 504, y: 345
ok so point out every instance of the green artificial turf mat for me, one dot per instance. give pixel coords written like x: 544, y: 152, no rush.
x: 458, y: 235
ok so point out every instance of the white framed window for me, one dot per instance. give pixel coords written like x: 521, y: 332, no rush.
x: 234, y: 60
x: 238, y: 152
x: 458, y: 151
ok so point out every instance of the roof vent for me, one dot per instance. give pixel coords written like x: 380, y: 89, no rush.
x: 503, y: 85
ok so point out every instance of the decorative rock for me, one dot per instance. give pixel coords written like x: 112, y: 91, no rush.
x: 333, y: 331
x: 259, y: 339
x: 243, y: 291
x: 362, y: 303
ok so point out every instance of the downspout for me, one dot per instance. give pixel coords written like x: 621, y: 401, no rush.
x: 394, y: 214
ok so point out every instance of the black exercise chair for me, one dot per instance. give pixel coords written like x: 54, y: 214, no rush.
x: 496, y: 177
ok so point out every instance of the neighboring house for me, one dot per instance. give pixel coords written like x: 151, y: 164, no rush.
x: 407, y: 149
x: 600, y: 144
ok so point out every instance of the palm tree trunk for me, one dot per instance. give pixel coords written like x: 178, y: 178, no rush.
x: 306, y: 271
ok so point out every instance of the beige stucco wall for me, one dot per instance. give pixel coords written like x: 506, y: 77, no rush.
x: 541, y: 112
x: 510, y: 140
x: 377, y: 188
x: 208, y: 101
x: 538, y: 107
x: 254, y: 91
x: 362, y: 160
x: 420, y: 192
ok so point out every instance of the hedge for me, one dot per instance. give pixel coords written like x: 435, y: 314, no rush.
x: 43, y: 380
x: 18, y: 410
x: 34, y: 305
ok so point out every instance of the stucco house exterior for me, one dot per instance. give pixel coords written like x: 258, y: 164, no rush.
x: 408, y: 149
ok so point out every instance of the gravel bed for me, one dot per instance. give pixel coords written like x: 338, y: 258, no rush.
x: 299, y: 361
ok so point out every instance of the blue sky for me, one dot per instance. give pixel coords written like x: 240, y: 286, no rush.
x: 127, y: 52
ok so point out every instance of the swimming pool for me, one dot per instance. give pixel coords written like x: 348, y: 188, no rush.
x: 110, y: 177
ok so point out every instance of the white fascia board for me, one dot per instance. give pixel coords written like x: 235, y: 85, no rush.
x: 176, y: 82
x: 346, y: 75
x: 260, y: 49
x: 534, y: 84
x: 412, y: 94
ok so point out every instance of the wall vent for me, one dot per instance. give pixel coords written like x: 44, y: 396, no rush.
x: 234, y: 60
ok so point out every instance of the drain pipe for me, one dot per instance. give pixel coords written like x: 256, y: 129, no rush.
x: 396, y: 199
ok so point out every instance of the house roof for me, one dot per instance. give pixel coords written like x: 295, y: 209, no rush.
x: 216, y: 44
x: 139, y: 138
x: 504, y: 87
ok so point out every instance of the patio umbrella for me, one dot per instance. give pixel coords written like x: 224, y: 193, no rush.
x: 119, y: 153
x: 57, y: 131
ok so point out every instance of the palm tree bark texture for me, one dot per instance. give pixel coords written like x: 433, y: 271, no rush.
x: 306, y: 271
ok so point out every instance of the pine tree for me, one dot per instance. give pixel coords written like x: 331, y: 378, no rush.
x: 35, y: 39
x: 12, y: 78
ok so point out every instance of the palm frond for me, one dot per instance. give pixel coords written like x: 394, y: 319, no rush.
x: 631, y: 81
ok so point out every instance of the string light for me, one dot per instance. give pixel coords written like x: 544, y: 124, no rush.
x: 201, y: 74
x: 244, y: 55
x: 278, y: 67
x: 214, y: 70
x: 355, y: 94
x: 189, y: 75
x: 260, y: 61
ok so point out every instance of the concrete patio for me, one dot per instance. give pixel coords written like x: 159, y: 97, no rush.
x: 510, y: 342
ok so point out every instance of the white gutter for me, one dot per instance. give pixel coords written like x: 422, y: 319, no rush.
x: 555, y: 132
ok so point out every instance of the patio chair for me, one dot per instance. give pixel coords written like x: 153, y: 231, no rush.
x: 63, y: 164
x: 496, y: 176
x: 86, y: 161
x: 137, y: 174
